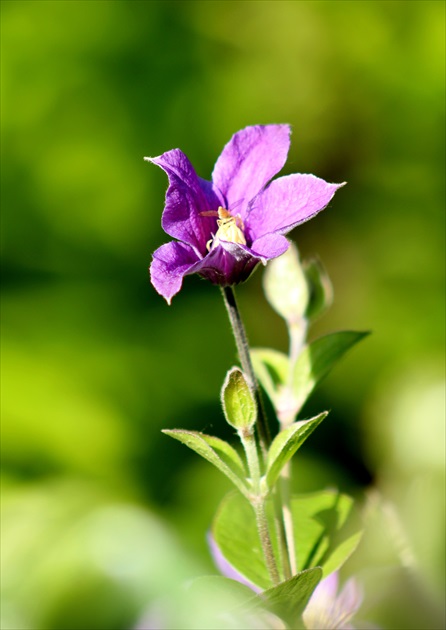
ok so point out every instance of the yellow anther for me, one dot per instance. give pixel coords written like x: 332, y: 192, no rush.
x: 230, y: 228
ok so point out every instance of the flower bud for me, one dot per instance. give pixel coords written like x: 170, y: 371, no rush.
x: 238, y: 402
x: 286, y: 286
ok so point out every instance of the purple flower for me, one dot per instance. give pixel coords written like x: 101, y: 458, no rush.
x: 226, y: 227
x: 326, y: 609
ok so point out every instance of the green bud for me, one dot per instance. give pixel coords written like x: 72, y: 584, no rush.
x: 286, y: 287
x: 320, y: 288
x: 238, y: 402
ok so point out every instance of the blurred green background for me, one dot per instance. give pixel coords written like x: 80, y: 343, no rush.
x: 101, y: 512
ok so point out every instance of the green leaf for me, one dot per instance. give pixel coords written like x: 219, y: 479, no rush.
x: 271, y: 368
x: 317, y: 359
x: 288, y: 599
x: 325, y: 527
x: 227, y: 453
x: 215, y: 451
x: 225, y: 603
x: 235, y: 532
x: 286, y: 443
x: 238, y: 402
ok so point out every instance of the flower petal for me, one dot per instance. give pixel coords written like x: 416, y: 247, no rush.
x: 350, y: 598
x: 326, y: 609
x: 317, y: 612
x: 270, y: 246
x: 170, y: 263
x: 327, y: 589
x: 250, y: 159
x: 186, y: 198
x: 287, y: 202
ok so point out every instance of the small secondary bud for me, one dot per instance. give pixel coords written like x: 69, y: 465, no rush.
x: 238, y: 402
x: 286, y: 286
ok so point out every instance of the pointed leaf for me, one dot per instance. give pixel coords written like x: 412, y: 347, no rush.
x: 227, y: 453
x: 343, y: 548
x: 288, y: 599
x: 222, y: 601
x: 238, y: 402
x: 207, y: 446
x: 326, y: 529
x: 286, y: 443
x: 317, y: 359
x: 271, y: 368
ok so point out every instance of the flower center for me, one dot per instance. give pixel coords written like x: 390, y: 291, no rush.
x: 230, y: 228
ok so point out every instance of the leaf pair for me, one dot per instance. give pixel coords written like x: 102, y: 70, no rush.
x: 289, y: 386
x: 217, y: 452
x: 326, y: 532
x: 227, y: 460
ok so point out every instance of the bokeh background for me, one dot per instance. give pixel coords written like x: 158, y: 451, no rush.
x: 103, y: 516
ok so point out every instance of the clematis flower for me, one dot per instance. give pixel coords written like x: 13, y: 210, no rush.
x: 226, y: 227
x: 326, y: 609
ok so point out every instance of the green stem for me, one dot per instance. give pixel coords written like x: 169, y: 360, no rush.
x: 262, y: 528
x: 257, y: 500
x: 287, y: 515
x: 241, y: 341
x: 298, y: 333
x: 249, y: 444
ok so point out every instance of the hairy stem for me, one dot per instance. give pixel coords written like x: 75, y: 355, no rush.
x: 281, y: 528
x: 257, y: 500
x: 265, y: 539
x: 249, y: 444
